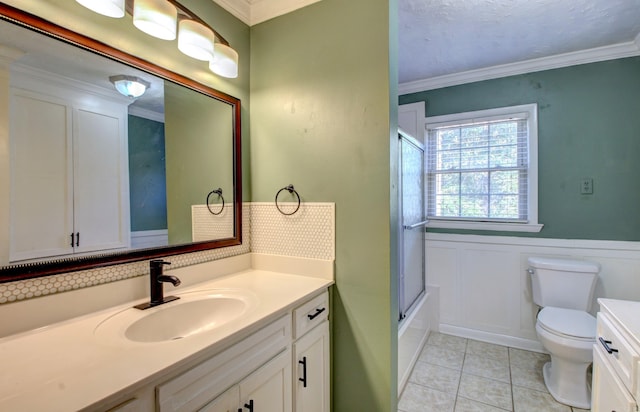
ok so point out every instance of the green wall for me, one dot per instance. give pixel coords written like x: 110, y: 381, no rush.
x: 238, y: 35
x: 320, y: 119
x: 199, y: 155
x: 147, y: 182
x: 589, y: 127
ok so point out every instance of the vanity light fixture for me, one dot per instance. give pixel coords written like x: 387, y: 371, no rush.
x: 159, y: 18
x: 130, y: 86
x: 109, y: 8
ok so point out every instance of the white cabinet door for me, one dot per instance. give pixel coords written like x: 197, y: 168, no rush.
x: 41, y: 176
x: 311, y: 362
x: 101, y: 191
x: 268, y: 389
x: 227, y: 402
x: 69, y: 177
x: 608, y: 392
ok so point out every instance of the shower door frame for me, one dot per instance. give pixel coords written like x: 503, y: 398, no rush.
x: 405, y: 138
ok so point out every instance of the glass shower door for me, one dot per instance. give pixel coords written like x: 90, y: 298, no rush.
x: 411, y: 285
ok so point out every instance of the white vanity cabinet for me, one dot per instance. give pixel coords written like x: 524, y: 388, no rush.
x: 283, y: 367
x: 311, y: 356
x: 255, y: 371
x: 616, y: 358
x: 69, y: 170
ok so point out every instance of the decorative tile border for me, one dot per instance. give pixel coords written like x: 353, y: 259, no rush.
x: 26, y: 289
x: 309, y: 233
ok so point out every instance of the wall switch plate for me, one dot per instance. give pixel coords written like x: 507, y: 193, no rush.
x: 586, y: 186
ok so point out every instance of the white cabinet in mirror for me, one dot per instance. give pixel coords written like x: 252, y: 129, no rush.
x: 69, y: 172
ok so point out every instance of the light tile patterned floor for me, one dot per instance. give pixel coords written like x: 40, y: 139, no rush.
x: 461, y: 375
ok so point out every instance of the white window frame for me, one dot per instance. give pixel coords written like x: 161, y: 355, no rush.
x: 532, y: 224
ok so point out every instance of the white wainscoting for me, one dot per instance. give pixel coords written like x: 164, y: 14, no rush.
x: 485, y: 290
x: 149, y: 238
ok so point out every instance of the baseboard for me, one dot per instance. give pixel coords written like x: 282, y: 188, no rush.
x: 495, y: 338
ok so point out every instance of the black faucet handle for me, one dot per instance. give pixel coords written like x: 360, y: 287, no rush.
x: 158, y: 263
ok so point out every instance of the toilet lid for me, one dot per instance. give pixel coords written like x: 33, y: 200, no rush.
x: 568, y: 322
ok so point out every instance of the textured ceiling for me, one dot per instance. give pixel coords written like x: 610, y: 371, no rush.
x: 441, y: 37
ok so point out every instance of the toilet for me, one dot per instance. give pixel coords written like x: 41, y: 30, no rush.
x: 563, y: 289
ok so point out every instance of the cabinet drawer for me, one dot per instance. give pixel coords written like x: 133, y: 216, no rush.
x: 621, y: 355
x: 608, y: 392
x: 312, y: 313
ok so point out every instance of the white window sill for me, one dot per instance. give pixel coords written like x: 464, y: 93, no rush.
x: 502, y: 227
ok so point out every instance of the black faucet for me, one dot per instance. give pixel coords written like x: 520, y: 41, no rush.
x: 157, y: 279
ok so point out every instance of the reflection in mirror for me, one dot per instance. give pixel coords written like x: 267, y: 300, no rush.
x: 99, y: 178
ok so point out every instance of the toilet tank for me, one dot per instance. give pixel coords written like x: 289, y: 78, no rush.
x: 563, y: 283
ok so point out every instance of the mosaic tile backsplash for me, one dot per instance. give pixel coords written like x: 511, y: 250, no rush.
x: 309, y: 233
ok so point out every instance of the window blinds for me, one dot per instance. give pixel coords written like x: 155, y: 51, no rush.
x: 477, y: 169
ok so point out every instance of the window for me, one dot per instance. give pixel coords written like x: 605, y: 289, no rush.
x: 482, y: 170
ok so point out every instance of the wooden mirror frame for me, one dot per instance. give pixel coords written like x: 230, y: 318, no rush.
x: 63, y: 265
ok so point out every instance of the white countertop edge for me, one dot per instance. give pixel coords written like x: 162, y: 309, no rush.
x: 63, y: 367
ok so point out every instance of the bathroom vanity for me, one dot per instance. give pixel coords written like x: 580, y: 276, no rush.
x: 616, y: 357
x: 267, y: 350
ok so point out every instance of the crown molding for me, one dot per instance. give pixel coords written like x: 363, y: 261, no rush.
x: 615, y: 51
x: 252, y: 12
x: 241, y: 9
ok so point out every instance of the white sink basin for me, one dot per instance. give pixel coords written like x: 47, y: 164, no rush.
x: 193, y: 313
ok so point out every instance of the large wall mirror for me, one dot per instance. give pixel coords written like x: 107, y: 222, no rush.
x: 94, y: 177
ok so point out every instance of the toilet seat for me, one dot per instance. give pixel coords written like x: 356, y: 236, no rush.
x: 569, y: 323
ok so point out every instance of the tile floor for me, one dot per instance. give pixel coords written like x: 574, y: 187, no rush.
x: 462, y: 375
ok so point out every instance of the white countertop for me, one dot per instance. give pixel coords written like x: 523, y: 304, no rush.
x: 626, y: 313
x: 64, y: 367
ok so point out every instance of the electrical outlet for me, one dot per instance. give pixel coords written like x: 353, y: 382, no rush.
x: 586, y: 186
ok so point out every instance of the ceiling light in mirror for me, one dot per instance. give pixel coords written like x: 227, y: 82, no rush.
x: 157, y: 18
x: 109, y: 8
x: 130, y: 86
x: 195, y: 40
x: 225, y: 61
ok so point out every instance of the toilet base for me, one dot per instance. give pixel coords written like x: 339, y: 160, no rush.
x: 569, y: 387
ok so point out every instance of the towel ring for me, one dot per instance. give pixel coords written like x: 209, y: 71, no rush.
x: 291, y: 190
x: 218, y: 191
